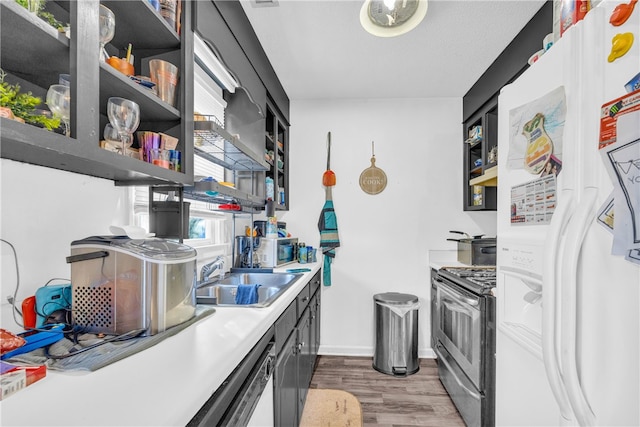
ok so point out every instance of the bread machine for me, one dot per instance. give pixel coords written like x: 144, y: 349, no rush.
x: 121, y: 284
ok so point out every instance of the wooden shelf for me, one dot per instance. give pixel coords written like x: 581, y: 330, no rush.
x: 488, y: 179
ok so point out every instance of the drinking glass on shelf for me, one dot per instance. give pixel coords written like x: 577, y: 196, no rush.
x: 124, y: 116
x: 59, y: 102
x: 111, y: 135
x: 107, y: 30
x: 34, y: 5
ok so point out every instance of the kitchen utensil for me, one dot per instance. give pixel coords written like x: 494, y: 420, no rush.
x: 329, y: 177
x: 477, y: 236
x: 107, y: 30
x: 59, y: 102
x: 476, y: 250
x: 373, y: 180
x: 124, y: 115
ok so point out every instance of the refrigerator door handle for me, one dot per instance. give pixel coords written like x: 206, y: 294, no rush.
x: 550, y: 325
x: 576, y: 232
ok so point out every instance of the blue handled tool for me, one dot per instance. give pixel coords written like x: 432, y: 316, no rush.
x: 36, y: 338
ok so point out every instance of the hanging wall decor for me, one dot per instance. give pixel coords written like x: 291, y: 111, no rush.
x: 373, y: 180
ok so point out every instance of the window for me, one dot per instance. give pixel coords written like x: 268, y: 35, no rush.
x: 206, y: 228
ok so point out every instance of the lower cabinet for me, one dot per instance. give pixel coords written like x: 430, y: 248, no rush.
x: 286, y: 384
x: 296, y: 359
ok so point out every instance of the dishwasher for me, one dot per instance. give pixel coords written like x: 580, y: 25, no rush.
x: 245, y: 398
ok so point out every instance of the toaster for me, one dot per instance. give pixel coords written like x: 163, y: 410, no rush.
x: 119, y: 284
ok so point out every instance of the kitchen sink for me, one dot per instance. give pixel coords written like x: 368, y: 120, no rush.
x: 223, y: 292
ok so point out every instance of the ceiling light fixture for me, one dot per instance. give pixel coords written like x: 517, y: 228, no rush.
x: 390, y: 18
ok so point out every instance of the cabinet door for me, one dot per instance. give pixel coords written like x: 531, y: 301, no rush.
x: 313, y: 340
x: 245, y: 112
x: 318, y: 321
x: 304, y: 354
x: 315, y: 328
x: 286, y: 384
x: 277, y: 155
x: 434, y: 300
x: 480, y: 158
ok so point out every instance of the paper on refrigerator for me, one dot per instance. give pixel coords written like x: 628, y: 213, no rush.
x: 621, y: 156
x: 535, y: 127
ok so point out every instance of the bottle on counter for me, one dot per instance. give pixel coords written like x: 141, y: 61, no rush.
x: 272, y: 227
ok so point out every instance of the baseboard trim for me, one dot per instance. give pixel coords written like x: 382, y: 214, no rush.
x: 327, y: 350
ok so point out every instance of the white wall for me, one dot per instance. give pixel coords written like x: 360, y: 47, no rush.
x: 385, y: 238
x: 42, y: 211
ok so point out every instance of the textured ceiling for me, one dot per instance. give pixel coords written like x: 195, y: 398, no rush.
x: 319, y: 50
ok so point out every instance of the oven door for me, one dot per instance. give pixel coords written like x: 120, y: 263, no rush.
x: 459, y: 326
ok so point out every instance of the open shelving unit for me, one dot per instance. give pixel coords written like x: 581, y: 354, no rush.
x: 34, y: 54
x: 277, y: 156
x: 480, y: 167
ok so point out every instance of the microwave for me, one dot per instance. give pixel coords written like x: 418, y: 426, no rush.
x: 277, y: 252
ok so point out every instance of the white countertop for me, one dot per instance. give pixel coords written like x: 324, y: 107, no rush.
x: 163, y: 385
x: 444, y: 258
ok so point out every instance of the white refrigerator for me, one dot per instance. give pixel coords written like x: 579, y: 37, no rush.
x: 567, y: 296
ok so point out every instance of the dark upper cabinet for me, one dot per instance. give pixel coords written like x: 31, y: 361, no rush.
x: 480, y: 158
x: 34, y: 54
x: 245, y: 112
x: 480, y: 112
x: 257, y: 111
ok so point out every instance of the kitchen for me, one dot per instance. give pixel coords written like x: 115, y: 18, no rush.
x: 412, y: 216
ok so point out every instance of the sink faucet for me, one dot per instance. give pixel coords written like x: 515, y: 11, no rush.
x: 208, y: 269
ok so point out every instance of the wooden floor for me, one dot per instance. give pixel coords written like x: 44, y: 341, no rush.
x: 415, y: 400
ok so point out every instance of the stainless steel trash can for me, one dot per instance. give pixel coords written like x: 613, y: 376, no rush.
x: 396, y: 324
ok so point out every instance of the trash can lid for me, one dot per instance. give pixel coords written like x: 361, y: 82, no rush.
x: 395, y: 298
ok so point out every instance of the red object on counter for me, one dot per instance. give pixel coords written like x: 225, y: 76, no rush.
x: 231, y: 207
x: 9, y: 341
x: 29, y: 312
x: 14, y: 377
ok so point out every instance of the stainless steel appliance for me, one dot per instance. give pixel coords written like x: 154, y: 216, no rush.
x: 465, y: 340
x: 246, y: 397
x: 120, y: 284
x: 476, y: 250
x: 246, y: 248
x: 276, y: 252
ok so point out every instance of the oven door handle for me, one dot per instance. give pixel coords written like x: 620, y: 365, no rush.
x: 455, y: 295
x: 446, y: 363
x: 456, y: 307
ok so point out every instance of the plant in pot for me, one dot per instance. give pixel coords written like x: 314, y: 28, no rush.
x: 37, y: 7
x: 22, y: 106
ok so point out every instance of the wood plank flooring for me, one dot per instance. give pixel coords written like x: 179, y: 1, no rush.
x: 416, y: 400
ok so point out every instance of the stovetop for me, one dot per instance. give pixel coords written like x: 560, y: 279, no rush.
x: 480, y: 280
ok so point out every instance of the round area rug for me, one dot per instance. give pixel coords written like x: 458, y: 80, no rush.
x: 331, y: 408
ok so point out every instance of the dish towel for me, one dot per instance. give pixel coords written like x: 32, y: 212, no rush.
x: 329, y: 239
x: 247, y: 294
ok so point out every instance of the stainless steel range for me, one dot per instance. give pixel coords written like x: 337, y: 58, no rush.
x: 465, y: 339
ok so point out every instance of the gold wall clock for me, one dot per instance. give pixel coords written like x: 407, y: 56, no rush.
x: 373, y: 180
